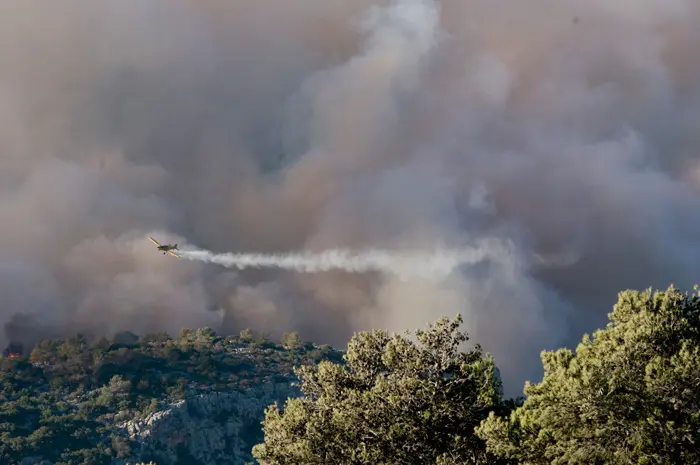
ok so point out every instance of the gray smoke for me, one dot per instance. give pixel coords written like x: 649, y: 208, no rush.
x: 568, y: 129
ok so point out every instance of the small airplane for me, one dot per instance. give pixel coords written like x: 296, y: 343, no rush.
x: 167, y: 248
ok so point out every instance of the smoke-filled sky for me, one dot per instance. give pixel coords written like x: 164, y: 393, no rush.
x: 570, y: 129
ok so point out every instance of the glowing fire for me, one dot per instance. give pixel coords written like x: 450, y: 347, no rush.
x: 13, y: 351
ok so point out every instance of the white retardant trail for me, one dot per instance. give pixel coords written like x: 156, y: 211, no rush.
x: 435, y: 264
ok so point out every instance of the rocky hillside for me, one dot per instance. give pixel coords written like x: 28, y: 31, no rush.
x: 195, y: 399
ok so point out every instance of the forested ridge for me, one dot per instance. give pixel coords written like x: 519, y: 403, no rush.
x: 65, y: 400
x: 629, y: 393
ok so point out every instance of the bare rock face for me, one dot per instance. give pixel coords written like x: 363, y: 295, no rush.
x: 211, y: 428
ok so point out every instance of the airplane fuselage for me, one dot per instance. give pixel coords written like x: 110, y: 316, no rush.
x: 167, y: 247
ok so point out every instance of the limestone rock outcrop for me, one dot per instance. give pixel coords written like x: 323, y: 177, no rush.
x: 206, y: 428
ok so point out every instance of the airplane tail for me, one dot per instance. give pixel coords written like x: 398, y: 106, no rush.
x: 175, y: 247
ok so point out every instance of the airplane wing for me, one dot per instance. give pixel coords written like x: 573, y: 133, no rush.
x: 154, y: 241
x: 173, y: 254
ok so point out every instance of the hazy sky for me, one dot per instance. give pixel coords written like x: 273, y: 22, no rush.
x: 567, y: 128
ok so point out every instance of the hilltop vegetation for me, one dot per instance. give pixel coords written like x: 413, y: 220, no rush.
x: 396, y: 401
x: 66, y: 400
x: 628, y: 394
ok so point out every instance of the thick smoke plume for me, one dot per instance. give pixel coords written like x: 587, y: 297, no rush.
x: 567, y: 129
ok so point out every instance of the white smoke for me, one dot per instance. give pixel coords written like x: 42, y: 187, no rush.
x: 436, y: 264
